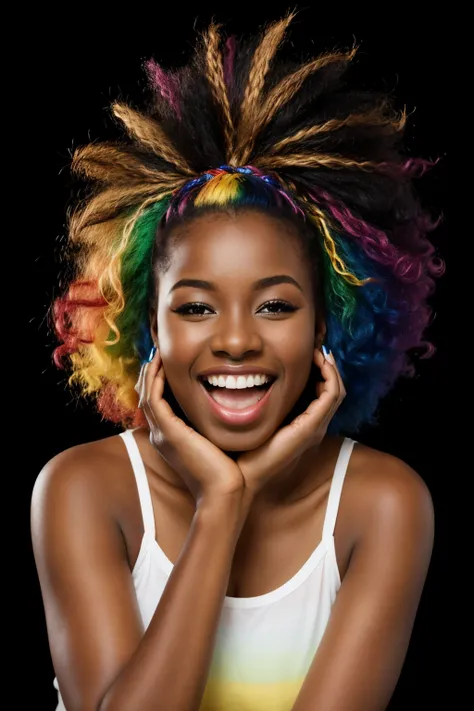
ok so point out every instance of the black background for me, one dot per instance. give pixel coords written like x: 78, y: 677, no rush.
x: 75, y: 69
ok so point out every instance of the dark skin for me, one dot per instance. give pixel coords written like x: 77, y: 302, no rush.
x: 86, y: 512
x: 239, y: 325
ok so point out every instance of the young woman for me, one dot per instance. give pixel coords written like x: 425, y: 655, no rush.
x: 251, y: 276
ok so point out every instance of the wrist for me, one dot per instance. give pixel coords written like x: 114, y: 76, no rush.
x: 230, y: 508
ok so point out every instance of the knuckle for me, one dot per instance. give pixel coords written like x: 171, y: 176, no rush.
x: 159, y: 437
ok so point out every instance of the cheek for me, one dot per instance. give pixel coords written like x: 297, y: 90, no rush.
x: 301, y: 372
x: 292, y: 346
x: 178, y: 342
x: 174, y: 347
x: 295, y: 351
x: 177, y: 355
x: 297, y: 358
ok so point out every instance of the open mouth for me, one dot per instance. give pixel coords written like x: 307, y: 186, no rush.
x: 238, y: 398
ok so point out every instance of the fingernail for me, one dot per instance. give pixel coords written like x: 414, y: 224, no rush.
x: 325, y: 351
x: 152, y: 354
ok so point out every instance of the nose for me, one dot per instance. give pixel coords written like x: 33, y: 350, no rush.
x: 235, y: 335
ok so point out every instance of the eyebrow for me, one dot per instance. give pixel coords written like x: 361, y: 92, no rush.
x: 258, y: 285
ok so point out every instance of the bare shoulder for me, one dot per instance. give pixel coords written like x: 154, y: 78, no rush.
x: 93, y: 621
x: 360, y: 657
x: 386, y: 477
x: 81, y: 473
x: 80, y: 496
x: 385, y: 489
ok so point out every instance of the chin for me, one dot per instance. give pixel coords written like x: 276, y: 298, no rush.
x: 235, y: 442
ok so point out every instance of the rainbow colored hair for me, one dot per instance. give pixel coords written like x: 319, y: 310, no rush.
x: 376, y: 268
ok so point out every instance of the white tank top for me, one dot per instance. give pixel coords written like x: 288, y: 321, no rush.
x: 264, y: 644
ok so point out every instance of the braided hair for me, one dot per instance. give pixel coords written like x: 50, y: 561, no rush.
x: 238, y: 128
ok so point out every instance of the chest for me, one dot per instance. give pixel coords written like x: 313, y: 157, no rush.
x: 273, y: 546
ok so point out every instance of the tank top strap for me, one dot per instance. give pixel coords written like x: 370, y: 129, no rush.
x: 142, y: 482
x: 336, y: 487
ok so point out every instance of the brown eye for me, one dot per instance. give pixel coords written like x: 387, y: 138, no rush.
x: 196, y: 308
x: 192, y: 309
x: 277, y: 306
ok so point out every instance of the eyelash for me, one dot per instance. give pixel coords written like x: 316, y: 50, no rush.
x: 184, y: 309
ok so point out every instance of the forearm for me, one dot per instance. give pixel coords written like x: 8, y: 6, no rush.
x: 170, y: 667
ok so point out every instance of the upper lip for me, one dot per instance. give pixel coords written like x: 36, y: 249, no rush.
x: 237, y: 370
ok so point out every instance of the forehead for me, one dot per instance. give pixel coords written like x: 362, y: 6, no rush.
x: 235, y: 247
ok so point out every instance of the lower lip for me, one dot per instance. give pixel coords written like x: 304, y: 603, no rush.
x: 238, y: 417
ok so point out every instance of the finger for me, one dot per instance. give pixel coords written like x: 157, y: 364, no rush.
x: 328, y: 391
x: 156, y: 379
x: 163, y: 414
x: 149, y: 372
x: 295, y: 437
x: 322, y: 409
x: 332, y: 361
x: 138, y: 384
x: 156, y: 409
x: 331, y: 382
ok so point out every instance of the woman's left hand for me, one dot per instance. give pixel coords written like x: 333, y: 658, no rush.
x: 308, y: 429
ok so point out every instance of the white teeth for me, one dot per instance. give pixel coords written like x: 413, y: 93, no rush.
x: 239, y: 383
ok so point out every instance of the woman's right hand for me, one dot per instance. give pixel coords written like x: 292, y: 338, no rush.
x: 206, y: 470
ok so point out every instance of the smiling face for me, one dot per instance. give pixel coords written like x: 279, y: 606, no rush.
x: 230, y: 322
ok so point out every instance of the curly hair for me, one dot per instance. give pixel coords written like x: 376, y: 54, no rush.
x: 237, y: 128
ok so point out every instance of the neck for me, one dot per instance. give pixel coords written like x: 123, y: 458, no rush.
x: 290, y: 485
x: 296, y: 481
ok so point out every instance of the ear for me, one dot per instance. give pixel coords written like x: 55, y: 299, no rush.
x: 320, y: 335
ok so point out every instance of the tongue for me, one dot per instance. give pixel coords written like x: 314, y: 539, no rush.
x: 237, y: 399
